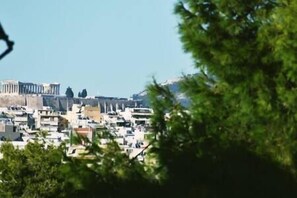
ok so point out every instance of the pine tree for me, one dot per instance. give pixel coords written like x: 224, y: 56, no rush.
x: 69, y: 93
x: 242, y: 117
x: 84, y: 93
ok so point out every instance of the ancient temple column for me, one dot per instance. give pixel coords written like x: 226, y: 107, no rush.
x: 57, y: 92
x: 117, y: 106
x: 39, y: 89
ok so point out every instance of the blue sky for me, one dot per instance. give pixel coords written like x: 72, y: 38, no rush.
x: 109, y: 47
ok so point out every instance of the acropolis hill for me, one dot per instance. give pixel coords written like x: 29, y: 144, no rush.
x: 38, y: 95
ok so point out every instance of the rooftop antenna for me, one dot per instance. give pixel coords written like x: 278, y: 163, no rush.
x: 9, y: 43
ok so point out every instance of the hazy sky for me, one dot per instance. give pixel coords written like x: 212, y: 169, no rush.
x: 109, y: 47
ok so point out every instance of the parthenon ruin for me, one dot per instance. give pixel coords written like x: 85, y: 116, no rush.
x: 14, y: 87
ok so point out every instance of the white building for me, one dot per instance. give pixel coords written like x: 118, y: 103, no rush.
x: 81, y: 116
x: 8, y: 130
x: 21, y: 116
x: 137, y: 116
x: 48, y: 120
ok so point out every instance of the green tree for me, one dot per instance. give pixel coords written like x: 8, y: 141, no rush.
x: 84, y: 93
x: 32, y: 172
x: 69, y: 93
x: 79, y: 94
x: 106, y: 171
x: 243, y: 112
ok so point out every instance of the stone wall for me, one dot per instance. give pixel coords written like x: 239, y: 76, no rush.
x: 34, y: 102
x: 61, y: 103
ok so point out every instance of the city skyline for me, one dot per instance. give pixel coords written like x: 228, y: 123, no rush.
x: 112, y: 48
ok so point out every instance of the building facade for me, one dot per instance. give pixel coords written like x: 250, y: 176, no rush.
x: 50, y: 120
x: 8, y: 130
x: 13, y: 87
